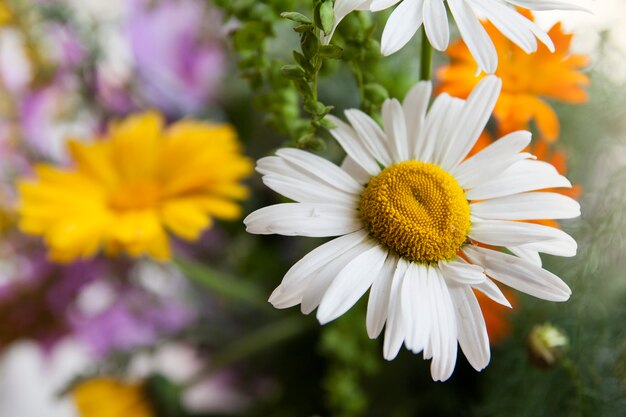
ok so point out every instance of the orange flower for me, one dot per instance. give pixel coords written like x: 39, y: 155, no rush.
x: 527, y: 80
x: 496, y: 315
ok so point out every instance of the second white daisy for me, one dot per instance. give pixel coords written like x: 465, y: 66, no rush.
x: 409, y: 15
x: 413, y: 216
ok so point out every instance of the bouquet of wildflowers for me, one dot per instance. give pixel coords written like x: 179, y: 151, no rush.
x: 342, y: 208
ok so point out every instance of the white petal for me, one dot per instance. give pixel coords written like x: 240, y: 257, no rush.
x: 353, y: 145
x: 443, y: 330
x: 474, y: 118
x: 509, y: 233
x: 351, y: 283
x: 306, y: 192
x: 508, y: 21
x: 395, y: 328
x: 472, y: 331
x: 341, y: 10
x: 556, y: 247
x: 275, y: 165
x: 487, y: 163
x: 319, y: 167
x: 475, y: 36
x: 491, y: 290
x: 280, y: 171
x: 448, y: 140
x: 378, y: 303
x: 318, y: 284
x: 403, y: 23
x: 528, y: 206
x: 371, y: 135
x: 460, y: 272
x: 415, y: 105
x: 355, y: 171
x: 434, y: 124
x: 378, y: 5
x: 416, y: 309
x: 436, y: 24
x: 531, y: 256
x: 289, y: 292
x: 541, y: 34
x: 303, y: 219
x: 519, y: 274
x: 548, y: 5
x: 520, y: 177
x: 395, y: 129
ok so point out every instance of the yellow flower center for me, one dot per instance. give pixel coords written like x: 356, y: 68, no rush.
x: 417, y: 210
x: 136, y: 195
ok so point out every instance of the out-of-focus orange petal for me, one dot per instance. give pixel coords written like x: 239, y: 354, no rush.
x: 527, y: 79
x: 497, y: 317
x: 547, y: 120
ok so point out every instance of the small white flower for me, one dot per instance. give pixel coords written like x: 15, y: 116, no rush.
x: 409, y: 15
x: 410, y: 209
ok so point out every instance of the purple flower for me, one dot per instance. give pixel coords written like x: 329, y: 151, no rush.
x: 178, y: 54
x: 52, y: 114
x: 134, y: 319
x: 34, y: 300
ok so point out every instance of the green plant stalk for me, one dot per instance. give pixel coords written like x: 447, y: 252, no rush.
x: 254, y: 342
x: 426, y: 61
x: 223, y: 284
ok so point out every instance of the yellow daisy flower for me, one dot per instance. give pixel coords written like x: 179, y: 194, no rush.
x: 126, y: 190
x: 107, y: 397
x: 527, y: 80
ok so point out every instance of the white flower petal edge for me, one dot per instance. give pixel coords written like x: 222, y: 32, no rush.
x: 409, y: 15
x: 342, y: 9
x: 429, y: 308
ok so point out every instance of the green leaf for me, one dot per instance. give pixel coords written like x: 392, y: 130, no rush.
x: 312, y: 143
x: 293, y: 72
x: 326, y: 16
x: 376, y: 93
x: 296, y: 17
x: 303, y: 28
x: 331, y: 51
x: 303, y: 62
x: 310, y: 44
x: 303, y: 88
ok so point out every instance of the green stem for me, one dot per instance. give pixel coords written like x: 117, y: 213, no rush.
x: 254, y: 342
x: 426, y: 61
x: 224, y: 285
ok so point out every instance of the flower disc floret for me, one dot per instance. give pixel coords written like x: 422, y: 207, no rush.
x: 417, y: 210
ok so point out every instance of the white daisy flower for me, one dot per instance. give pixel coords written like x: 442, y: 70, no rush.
x: 408, y: 17
x: 410, y: 211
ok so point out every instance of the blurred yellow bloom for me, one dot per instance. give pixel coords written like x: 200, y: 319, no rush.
x: 5, y: 13
x: 526, y: 80
x: 125, y: 191
x: 107, y: 397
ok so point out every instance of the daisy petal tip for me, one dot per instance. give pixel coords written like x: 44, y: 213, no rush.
x: 275, y: 298
x: 326, y: 314
x: 385, y: 50
x: 372, y: 335
x: 390, y: 352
